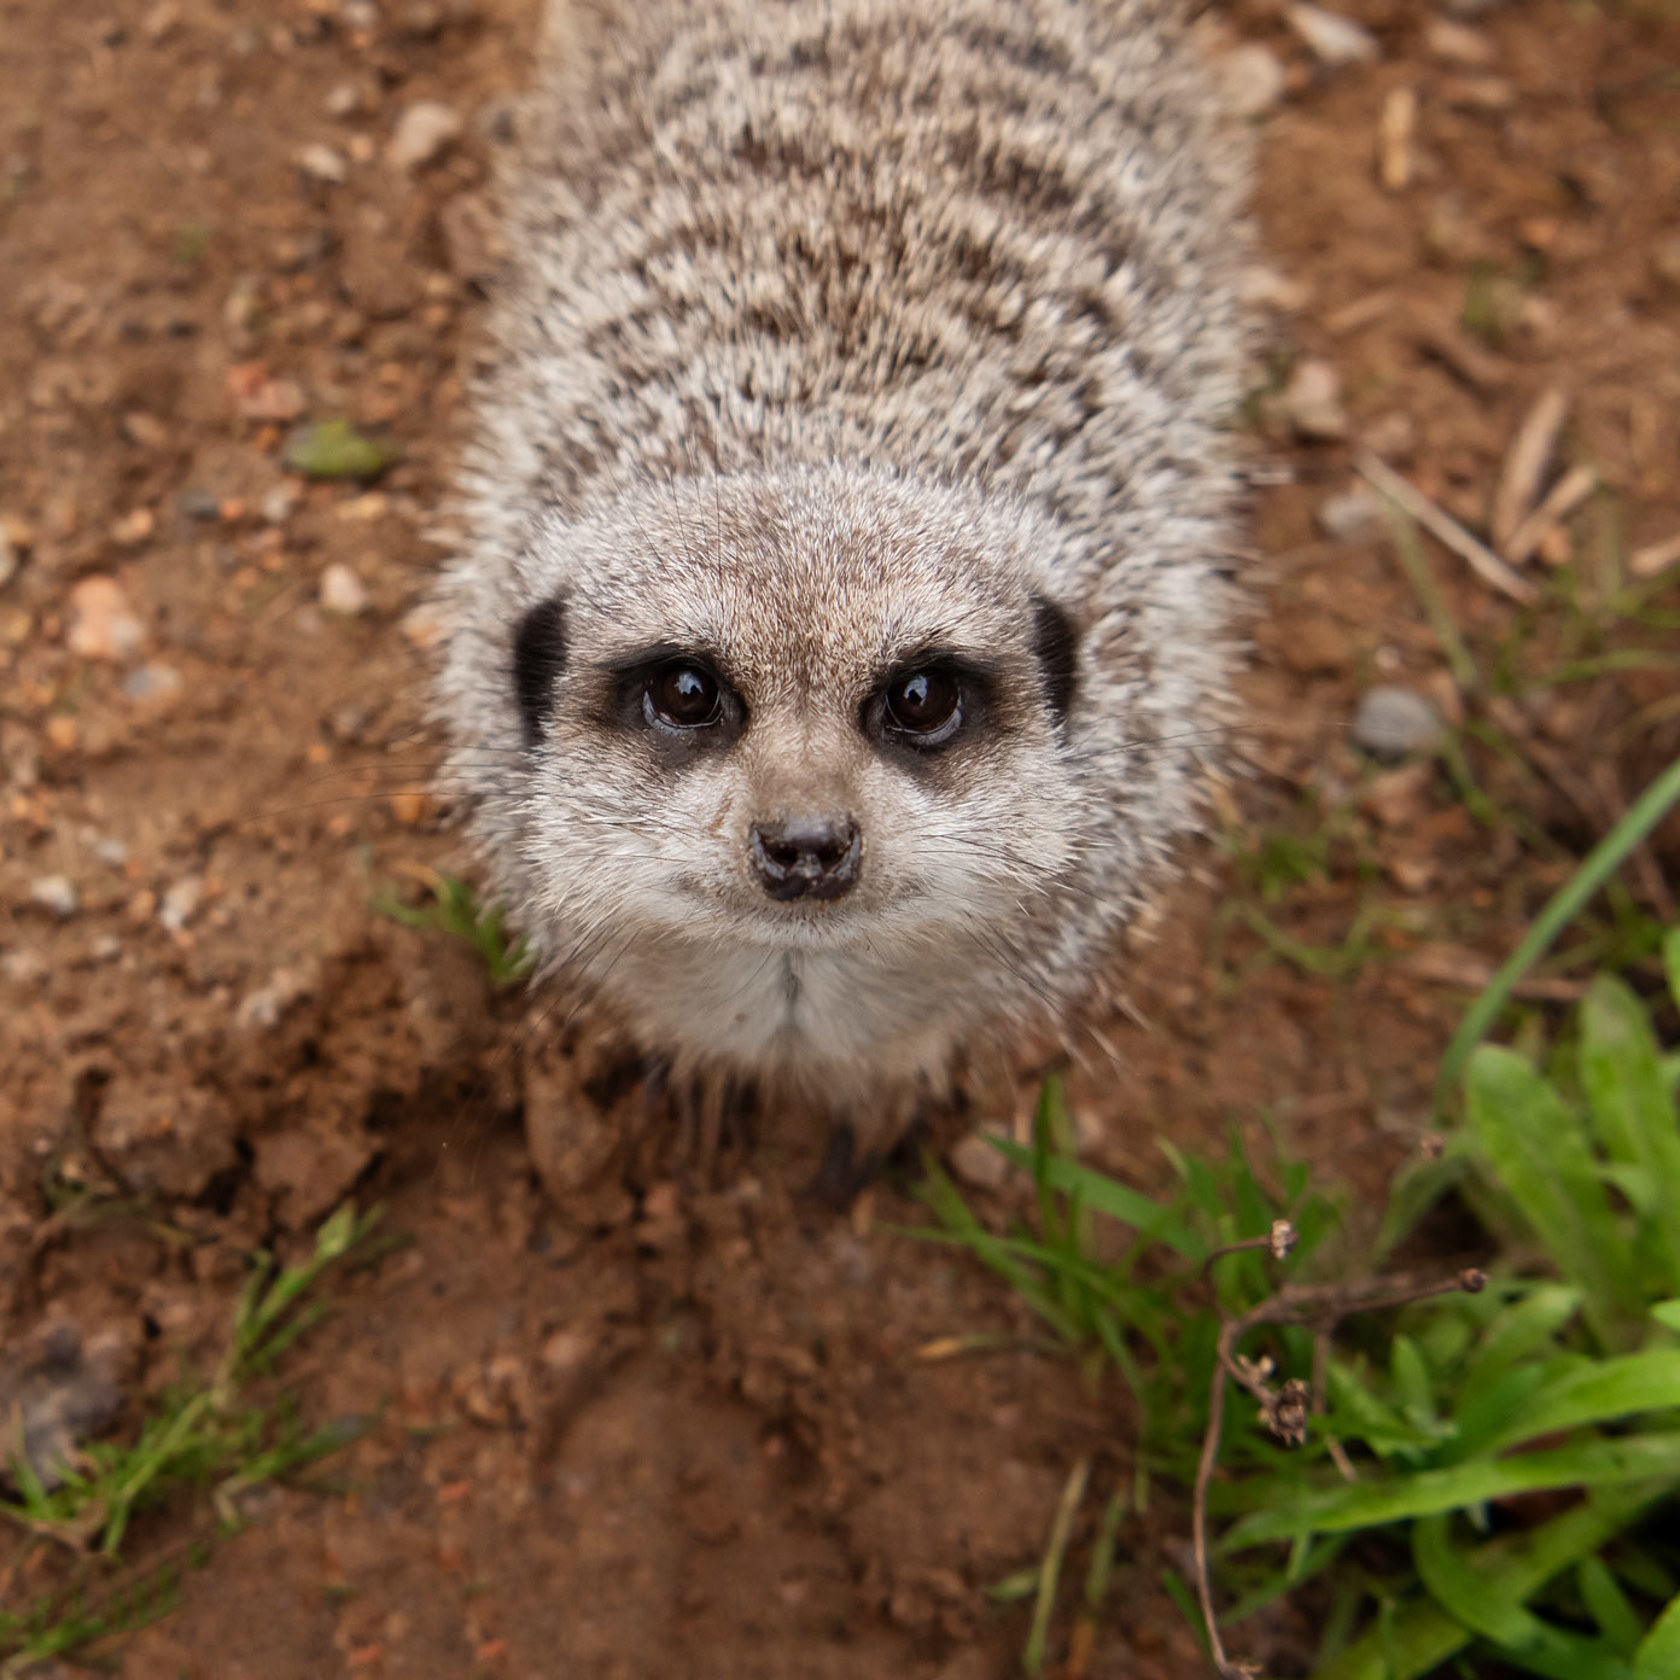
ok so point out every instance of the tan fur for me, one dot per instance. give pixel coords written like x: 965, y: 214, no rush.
x: 838, y: 331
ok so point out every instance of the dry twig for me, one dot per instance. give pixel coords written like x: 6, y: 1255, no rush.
x: 1283, y: 1408
x: 1525, y: 466
x: 1446, y: 530
x: 1565, y: 496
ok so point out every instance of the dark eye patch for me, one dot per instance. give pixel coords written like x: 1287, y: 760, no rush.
x: 1056, y: 647
x: 539, y: 658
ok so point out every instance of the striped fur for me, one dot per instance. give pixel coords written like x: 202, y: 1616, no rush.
x: 836, y: 329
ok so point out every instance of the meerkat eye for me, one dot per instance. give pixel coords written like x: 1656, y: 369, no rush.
x: 683, y: 696
x: 925, y: 706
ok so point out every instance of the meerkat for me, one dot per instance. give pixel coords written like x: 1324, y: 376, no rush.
x: 847, y: 612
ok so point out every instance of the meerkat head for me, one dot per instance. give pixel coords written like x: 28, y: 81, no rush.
x: 778, y: 762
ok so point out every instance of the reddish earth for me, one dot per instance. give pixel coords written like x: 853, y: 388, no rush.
x: 645, y: 1431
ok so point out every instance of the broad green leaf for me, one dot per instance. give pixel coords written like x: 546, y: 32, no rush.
x: 1539, y: 1152
x: 1422, y: 1636
x: 335, y: 449
x: 1623, y: 1078
x: 1412, y: 1382
x: 1478, y: 1603
x: 1491, y: 1410
x: 1357, y: 1414
x: 1667, y: 1313
x: 1595, y: 1393
x: 1595, y: 1463
x: 1658, y: 1657
x: 1519, y: 1331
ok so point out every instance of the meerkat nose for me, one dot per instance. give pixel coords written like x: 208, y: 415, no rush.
x: 807, y: 857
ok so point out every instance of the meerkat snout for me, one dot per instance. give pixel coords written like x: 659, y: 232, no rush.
x: 807, y: 856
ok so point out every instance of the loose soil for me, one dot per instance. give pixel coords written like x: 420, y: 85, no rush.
x: 654, y: 1429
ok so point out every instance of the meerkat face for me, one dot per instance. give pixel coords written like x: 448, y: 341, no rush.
x: 791, y: 757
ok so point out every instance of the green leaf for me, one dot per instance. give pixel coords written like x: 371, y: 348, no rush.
x: 1595, y: 1463
x: 1539, y: 1152
x: 1667, y: 1313
x: 1422, y: 1636
x: 1478, y: 1603
x: 1594, y: 1393
x: 1671, y: 963
x: 1658, y: 1657
x: 1622, y: 1074
x: 1519, y: 1331
x: 1611, y: 1608
x: 335, y: 449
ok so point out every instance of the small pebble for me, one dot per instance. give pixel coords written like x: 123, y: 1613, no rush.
x: 180, y: 903
x: 23, y: 968
x: 324, y: 164
x: 1348, y: 513
x: 107, y: 948
x: 1458, y: 43
x: 1333, y: 39
x: 56, y: 893
x: 1270, y: 289
x: 1392, y: 722
x: 200, y: 504
x: 359, y: 14
x: 1253, y: 80
x: 152, y: 682
x: 110, y: 851
x: 345, y: 100
x: 342, y: 591
x: 102, y: 623
x: 278, y: 504
x: 423, y: 132
x: 1312, y: 401
x: 978, y: 1163
x: 423, y: 627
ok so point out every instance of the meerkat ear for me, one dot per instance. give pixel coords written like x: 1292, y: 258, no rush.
x: 539, y: 656
x: 1057, y: 646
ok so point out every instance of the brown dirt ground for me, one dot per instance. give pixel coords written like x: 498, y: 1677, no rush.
x: 647, y: 1432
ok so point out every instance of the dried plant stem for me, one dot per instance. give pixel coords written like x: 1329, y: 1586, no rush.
x: 1283, y: 1408
x: 1446, y: 530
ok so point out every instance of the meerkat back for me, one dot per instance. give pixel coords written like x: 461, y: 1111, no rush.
x: 845, y: 622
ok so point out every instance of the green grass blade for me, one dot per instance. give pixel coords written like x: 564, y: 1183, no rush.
x: 1594, y: 1463
x: 1061, y: 1529
x: 1107, y: 1195
x: 1618, y: 1621
x: 1622, y: 1074
x: 1658, y: 1657
x: 1671, y: 963
x: 1539, y: 1152
x: 1566, y: 904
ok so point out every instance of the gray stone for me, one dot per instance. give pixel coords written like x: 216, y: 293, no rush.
x: 1349, y: 513
x: 1392, y: 722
